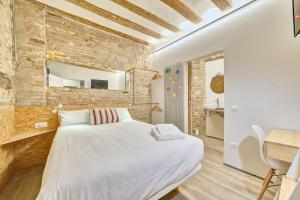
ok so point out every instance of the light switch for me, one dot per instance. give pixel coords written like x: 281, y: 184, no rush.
x: 235, y: 108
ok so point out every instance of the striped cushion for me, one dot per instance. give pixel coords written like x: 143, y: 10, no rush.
x: 103, y: 116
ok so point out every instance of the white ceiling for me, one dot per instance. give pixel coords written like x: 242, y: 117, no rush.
x: 206, y: 9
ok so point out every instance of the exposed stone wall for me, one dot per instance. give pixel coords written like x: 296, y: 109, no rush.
x: 198, y: 95
x: 7, y: 95
x: 75, y: 96
x: 7, y: 70
x: 72, y: 42
x: 31, y: 53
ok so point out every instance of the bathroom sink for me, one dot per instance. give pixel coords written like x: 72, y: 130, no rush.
x: 211, y: 106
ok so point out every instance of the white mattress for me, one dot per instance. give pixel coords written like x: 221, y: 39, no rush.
x: 119, y: 161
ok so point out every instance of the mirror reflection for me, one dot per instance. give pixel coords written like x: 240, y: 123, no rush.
x: 72, y: 76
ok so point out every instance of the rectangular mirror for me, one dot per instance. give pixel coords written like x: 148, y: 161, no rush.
x: 73, y: 76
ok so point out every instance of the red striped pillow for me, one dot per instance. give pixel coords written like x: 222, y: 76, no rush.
x: 103, y: 116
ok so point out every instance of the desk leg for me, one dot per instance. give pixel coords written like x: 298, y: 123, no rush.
x: 266, y: 183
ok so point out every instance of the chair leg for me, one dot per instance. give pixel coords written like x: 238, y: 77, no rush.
x: 267, y: 180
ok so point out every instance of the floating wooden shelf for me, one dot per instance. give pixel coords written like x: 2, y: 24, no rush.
x: 25, y: 135
x: 287, y: 186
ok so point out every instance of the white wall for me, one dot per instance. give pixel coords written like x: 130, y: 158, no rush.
x: 116, y: 80
x: 262, y: 67
x: 213, y: 68
x: 158, y: 96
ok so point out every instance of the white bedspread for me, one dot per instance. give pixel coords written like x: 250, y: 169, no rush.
x: 120, y: 161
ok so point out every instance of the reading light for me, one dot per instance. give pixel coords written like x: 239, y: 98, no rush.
x: 130, y: 106
x: 55, y: 109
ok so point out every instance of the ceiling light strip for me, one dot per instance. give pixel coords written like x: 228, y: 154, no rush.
x: 202, y: 27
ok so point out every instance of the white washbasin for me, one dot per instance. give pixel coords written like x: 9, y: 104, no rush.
x: 210, y: 106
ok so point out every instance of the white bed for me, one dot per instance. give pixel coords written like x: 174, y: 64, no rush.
x: 119, y: 161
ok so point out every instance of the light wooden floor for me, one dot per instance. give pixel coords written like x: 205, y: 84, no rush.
x: 214, y: 182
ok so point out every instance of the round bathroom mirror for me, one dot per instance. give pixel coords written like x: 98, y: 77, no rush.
x: 217, y: 84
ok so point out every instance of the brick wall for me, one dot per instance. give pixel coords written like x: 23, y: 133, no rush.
x: 72, y: 42
x: 7, y: 70
x: 7, y: 94
x: 198, y: 95
x: 31, y: 53
x: 45, y: 33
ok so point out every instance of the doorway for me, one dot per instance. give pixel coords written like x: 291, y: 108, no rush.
x: 206, y: 96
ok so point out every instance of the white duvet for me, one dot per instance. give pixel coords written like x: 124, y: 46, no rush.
x: 120, y: 161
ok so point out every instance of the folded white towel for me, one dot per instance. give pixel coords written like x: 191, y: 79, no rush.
x: 169, y: 132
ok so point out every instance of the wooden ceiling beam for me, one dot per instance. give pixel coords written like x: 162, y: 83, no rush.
x: 223, y: 4
x: 183, y: 9
x: 54, y: 11
x: 144, y: 13
x: 116, y: 18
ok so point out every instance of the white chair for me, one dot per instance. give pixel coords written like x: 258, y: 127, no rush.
x: 275, y: 165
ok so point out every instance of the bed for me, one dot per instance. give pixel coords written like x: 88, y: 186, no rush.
x: 118, y: 161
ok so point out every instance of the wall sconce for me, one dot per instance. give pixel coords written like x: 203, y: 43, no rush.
x: 56, y: 108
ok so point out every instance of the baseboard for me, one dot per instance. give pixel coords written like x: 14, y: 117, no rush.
x: 243, y: 171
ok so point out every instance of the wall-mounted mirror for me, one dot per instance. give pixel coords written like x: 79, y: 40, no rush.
x: 73, y: 76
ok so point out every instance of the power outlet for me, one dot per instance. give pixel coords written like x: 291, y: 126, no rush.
x: 41, y: 124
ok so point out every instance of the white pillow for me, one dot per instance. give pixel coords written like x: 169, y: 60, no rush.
x: 123, y: 114
x: 71, y: 117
